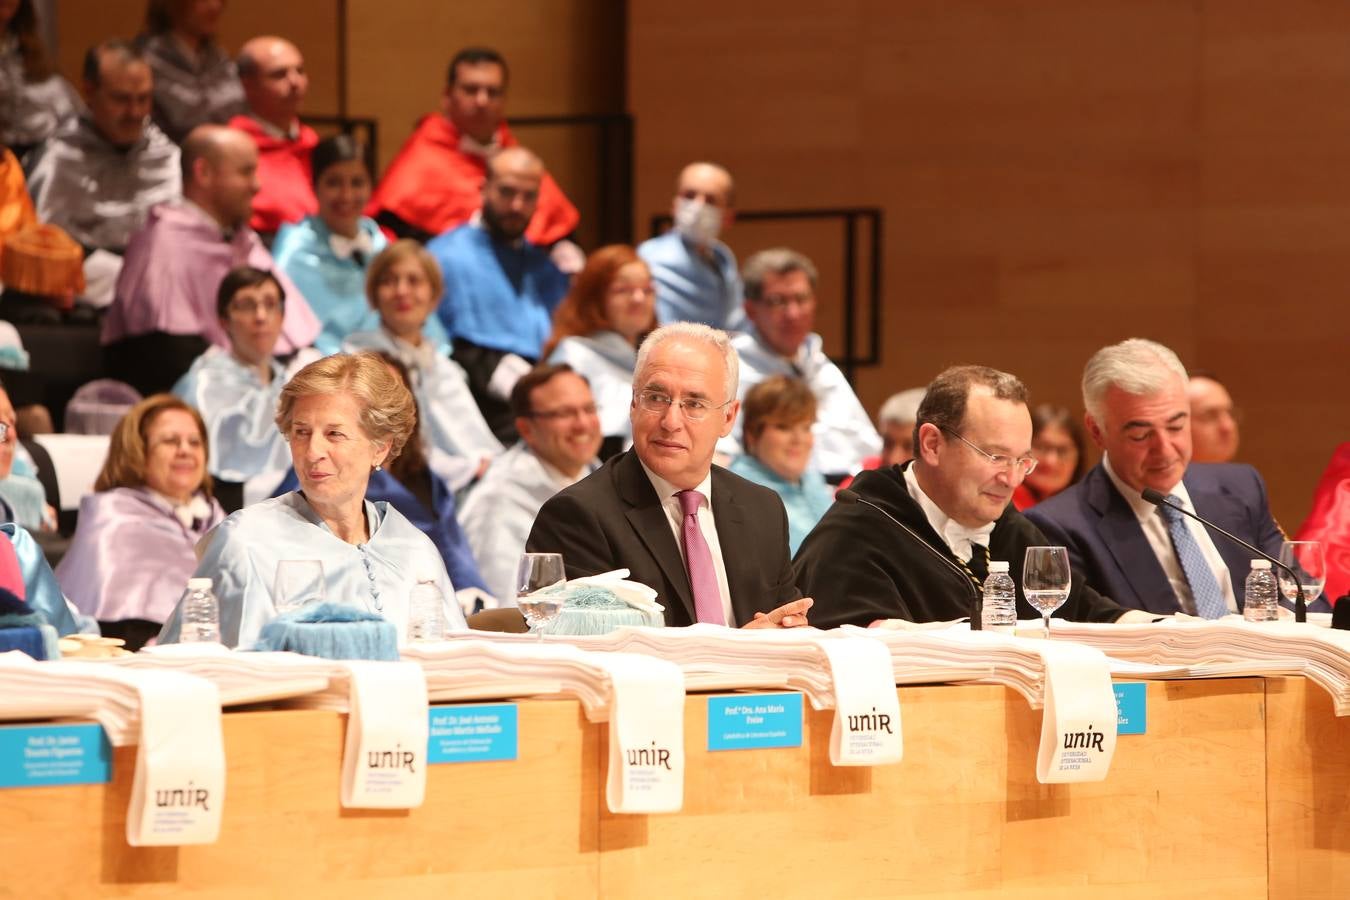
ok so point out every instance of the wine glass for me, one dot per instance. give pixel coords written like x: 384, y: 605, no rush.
x: 539, y: 582
x: 1309, y: 563
x: 1046, y: 580
x: 299, y: 583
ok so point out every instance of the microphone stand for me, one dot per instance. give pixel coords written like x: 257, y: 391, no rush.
x: 847, y: 495
x: 1300, y: 605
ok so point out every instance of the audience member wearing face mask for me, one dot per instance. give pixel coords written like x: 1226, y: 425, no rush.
x: 695, y: 273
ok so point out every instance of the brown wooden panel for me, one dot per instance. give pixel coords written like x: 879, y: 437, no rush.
x: 1055, y: 176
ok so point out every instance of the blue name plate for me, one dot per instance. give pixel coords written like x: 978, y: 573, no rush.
x: 462, y: 734
x: 754, y: 721
x: 1131, y: 707
x: 40, y: 755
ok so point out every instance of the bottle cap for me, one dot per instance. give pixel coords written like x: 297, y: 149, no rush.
x: 997, y: 565
x: 1260, y: 564
x: 199, y: 584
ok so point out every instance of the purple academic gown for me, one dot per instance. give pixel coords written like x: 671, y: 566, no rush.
x: 130, y: 557
x: 171, y: 272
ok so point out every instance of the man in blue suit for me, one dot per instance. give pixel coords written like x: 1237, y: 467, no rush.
x: 1137, y: 554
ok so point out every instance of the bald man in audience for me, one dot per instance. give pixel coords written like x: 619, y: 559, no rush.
x: 435, y: 181
x: 1214, y: 420
x: 98, y: 176
x: 695, y: 273
x: 272, y: 72
x: 163, y: 314
x: 500, y: 287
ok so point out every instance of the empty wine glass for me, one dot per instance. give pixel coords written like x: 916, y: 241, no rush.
x: 299, y: 583
x: 1309, y: 563
x: 535, y: 576
x: 1046, y: 580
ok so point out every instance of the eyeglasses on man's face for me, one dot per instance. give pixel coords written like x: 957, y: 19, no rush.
x: 1022, y: 466
x: 692, y: 408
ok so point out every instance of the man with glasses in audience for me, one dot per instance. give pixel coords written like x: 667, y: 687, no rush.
x: 972, y: 447
x: 713, y: 545
x: 780, y: 302
x: 1145, y: 556
x: 559, y: 438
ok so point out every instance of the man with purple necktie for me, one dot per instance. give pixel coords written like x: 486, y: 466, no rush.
x: 713, y: 545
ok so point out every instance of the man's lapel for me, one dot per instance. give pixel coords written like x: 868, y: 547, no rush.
x: 732, y: 534
x: 1124, y: 539
x: 648, y: 519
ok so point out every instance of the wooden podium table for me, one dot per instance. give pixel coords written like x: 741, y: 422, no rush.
x: 1239, y: 788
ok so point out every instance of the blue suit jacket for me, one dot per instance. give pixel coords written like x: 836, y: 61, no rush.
x: 1108, y: 549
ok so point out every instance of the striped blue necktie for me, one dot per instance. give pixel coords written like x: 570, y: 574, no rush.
x: 1209, y: 601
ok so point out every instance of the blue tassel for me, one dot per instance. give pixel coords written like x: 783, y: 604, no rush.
x: 331, y: 631
x: 591, y: 609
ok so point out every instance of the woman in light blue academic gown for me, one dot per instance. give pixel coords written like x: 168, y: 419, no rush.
x: 327, y: 255
x: 344, y: 417
x: 597, y: 329
x: 778, y: 414
x: 403, y: 287
x: 236, y: 389
x: 410, y: 483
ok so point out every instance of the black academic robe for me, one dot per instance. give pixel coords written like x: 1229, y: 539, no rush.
x: 860, y: 567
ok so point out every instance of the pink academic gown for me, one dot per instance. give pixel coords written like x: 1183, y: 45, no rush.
x: 171, y: 272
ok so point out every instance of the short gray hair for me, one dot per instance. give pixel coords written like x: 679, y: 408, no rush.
x: 698, y: 333
x: 775, y: 261
x: 1136, y: 366
x: 901, y: 408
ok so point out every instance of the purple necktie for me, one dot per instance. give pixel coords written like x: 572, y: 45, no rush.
x: 698, y: 560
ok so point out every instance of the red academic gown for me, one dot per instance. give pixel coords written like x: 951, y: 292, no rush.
x: 1329, y: 522
x: 433, y: 185
x: 284, y: 172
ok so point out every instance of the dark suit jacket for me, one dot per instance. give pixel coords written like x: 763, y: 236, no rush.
x: 1107, y: 546
x: 612, y: 519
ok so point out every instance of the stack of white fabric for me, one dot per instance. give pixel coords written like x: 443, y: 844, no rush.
x: 1229, y: 647
x: 470, y: 667
x: 244, y: 677
x: 59, y: 690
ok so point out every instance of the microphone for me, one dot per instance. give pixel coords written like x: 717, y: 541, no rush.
x: 848, y: 495
x: 1300, y: 605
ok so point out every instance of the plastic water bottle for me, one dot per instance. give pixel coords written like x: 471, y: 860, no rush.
x: 426, y: 613
x: 1000, y: 600
x: 201, y: 613
x: 1262, y: 594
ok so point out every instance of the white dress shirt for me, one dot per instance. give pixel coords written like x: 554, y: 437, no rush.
x: 958, y: 537
x: 1155, y: 530
x: 675, y: 515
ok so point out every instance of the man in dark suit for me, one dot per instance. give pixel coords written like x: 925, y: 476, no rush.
x: 713, y: 545
x: 1144, y: 556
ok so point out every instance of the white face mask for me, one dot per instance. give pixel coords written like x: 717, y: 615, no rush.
x: 697, y: 220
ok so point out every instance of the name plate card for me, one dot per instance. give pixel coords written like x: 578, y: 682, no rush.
x: 384, y: 759
x: 1131, y: 707
x: 646, y: 734
x: 866, y: 730
x: 480, y: 733
x: 178, y: 790
x: 754, y: 721
x: 1078, y: 723
x: 41, y: 755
